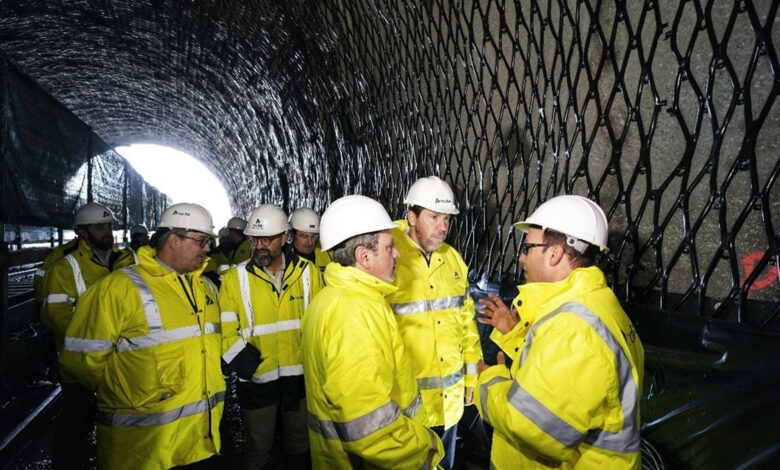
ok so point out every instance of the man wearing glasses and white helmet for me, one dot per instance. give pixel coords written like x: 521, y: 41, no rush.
x: 571, y: 398
x: 148, y: 339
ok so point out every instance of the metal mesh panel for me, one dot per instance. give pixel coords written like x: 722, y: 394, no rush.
x: 662, y: 112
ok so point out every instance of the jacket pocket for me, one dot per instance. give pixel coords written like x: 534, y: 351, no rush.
x: 171, y: 370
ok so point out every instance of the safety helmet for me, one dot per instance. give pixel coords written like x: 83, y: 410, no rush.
x: 578, y: 217
x: 188, y: 216
x: 305, y: 220
x: 223, y: 232
x: 93, y: 213
x: 138, y: 229
x: 433, y: 194
x: 236, y: 223
x: 266, y: 220
x: 349, y: 216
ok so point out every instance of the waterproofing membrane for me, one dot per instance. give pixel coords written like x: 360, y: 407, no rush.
x: 52, y: 163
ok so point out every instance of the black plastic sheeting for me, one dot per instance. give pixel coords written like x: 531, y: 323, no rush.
x: 710, y: 396
x: 52, y: 163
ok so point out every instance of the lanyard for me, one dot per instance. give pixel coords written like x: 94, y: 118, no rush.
x: 191, y: 299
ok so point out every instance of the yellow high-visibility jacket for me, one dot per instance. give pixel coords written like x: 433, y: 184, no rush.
x: 235, y: 256
x: 216, y: 259
x: 254, y: 312
x: 318, y: 257
x: 435, y: 315
x: 148, y: 341
x: 67, y: 279
x: 56, y: 254
x: 572, y: 398
x: 132, y: 253
x: 364, y: 407
x: 321, y: 258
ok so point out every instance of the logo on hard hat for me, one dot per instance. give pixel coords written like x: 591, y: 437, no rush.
x: 106, y: 214
x: 258, y: 224
x: 446, y: 201
x: 176, y: 212
x: 311, y: 225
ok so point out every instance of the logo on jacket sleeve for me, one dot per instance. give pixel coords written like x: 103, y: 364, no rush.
x: 457, y: 275
x: 209, y: 300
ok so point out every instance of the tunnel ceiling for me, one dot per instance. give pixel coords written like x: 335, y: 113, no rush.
x: 665, y: 113
x: 223, y: 81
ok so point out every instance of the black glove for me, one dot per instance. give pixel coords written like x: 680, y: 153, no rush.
x: 246, y: 362
x: 292, y: 390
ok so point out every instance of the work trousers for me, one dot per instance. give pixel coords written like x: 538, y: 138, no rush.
x: 72, y: 427
x: 448, y: 439
x: 260, y: 425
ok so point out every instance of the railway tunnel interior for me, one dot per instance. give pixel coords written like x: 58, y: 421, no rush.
x: 665, y: 113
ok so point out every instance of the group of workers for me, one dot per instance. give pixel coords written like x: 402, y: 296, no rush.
x: 356, y: 333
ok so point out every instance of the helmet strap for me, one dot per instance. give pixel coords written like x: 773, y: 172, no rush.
x: 578, y: 245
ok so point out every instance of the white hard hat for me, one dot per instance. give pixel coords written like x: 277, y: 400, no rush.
x: 305, y: 220
x: 188, y: 216
x: 223, y: 232
x: 349, y: 216
x: 138, y: 229
x: 433, y: 194
x: 575, y: 216
x: 93, y: 213
x: 267, y: 220
x: 236, y: 223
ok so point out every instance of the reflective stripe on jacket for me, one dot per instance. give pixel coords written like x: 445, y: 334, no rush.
x: 149, y: 342
x: 55, y: 255
x: 572, y: 399
x: 435, y: 315
x: 362, y: 398
x: 67, y: 279
x: 253, y: 311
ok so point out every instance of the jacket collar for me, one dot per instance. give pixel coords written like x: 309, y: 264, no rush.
x: 147, y: 259
x: 340, y: 276
x: 536, y: 296
x: 404, y: 242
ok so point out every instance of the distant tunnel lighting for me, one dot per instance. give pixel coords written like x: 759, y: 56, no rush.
x: 181, y: 177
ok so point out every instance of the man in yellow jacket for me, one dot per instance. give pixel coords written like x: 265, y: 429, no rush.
x: 262, y: 302
x: 434, y: 310
x: 364, y: 406
x: 147, y: 339
x: 571, y: 399
x: 236, y: 247
x: 55, y: 255
x: 92, y: 257
x: 305, y: 233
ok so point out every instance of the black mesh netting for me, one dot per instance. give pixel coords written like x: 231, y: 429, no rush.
x: 52, y: 163
x: 663, y: 112
x: 660, y: 111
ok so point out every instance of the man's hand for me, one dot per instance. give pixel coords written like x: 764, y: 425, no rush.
x: 500, y: 359
x: 468, y: 399
x: 498, y: 314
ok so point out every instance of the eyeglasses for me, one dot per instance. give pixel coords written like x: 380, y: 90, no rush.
x: 267, y: 240
x: 307, y: 236
x: 203, y: 241
x: 527, y: 247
